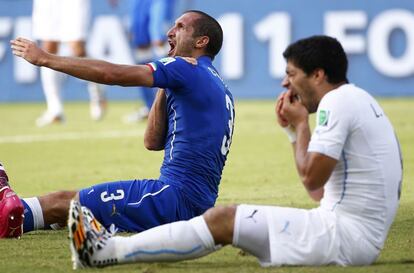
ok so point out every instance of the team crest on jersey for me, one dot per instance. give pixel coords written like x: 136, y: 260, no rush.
x: 167, y: 60
x: 323, y: 117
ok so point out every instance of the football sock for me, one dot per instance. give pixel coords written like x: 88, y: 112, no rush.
x: 95, y: 91
x: 171, y: 242
x: 51, y: 83
x: 33, y: 214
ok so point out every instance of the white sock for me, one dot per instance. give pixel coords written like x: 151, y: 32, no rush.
x: 95, y: 91
x: 171, y: 242
x: 34, y: 205
x: 52, y: 82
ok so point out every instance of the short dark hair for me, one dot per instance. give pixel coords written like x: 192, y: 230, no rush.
x: 322, y: 52
x: 206, y: 25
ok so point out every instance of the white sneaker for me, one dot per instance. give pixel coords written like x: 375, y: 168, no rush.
x: 88, y: 239
x: 137, y: 116
x: 98, y: 102
x: 47, y: 119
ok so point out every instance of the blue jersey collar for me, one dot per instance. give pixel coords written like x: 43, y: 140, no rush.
x: 205, y: 58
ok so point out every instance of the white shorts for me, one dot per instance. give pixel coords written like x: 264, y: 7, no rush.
x: 300, y: 237
x: 60, y: 20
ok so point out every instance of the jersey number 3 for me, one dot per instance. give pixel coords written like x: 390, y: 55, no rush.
x: 225, y: 146
x: 113, y: 196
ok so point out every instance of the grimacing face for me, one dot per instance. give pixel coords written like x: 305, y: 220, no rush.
x: 180, y: 36
x: 301, y: 86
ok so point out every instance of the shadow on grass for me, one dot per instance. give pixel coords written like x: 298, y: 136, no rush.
x: 394, y: 262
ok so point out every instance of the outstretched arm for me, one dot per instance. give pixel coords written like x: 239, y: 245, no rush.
x: 156, y: 131
x: 87, y: 69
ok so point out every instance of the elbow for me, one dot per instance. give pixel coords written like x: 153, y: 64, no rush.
x: 152, y: 145
x: 310, y: 183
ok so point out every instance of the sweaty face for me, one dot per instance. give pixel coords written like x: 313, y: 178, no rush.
x: 180, y: 36
x: 301, y: 86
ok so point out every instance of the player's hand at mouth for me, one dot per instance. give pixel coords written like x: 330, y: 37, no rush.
x: 283, y: 122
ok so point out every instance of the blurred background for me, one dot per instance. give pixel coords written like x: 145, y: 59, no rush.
x: 378, y: 36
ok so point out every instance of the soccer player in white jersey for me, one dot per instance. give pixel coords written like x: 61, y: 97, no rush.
x: 351, y: 164
x: 63, y: 21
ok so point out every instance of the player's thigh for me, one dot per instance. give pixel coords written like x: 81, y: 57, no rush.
x: 251, y: 231
x: 302, y: 237
x: 135, y: 205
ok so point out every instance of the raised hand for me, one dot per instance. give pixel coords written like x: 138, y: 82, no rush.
x: 292, y: 110
x: 283, y: 122
x: 28, y: 50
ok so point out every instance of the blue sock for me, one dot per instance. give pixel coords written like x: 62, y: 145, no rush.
x: 33, y: 215
x: 28, y: 223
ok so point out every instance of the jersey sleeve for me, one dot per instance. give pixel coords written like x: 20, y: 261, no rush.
x: 171, y: 72
x: 334, y: 122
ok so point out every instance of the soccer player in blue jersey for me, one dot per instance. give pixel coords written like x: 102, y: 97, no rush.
x: 191, y: 119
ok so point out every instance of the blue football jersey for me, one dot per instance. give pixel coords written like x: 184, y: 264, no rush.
x: 200, y: 127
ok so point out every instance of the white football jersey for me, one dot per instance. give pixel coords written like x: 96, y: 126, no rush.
x: 365, y: 184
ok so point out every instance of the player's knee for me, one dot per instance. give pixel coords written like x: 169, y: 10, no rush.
x: 78, y: 48
x: 50, y: 47
x: 57, y: 202
x: 220, y: 221
x: 65, y: 195
x: 55, y: 206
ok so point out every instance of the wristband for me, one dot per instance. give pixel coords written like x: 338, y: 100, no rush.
x: 291, y: 133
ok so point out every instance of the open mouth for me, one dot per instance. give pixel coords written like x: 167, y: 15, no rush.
x: 172, y: 48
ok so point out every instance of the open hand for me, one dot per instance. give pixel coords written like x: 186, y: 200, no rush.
x: 28, y: 50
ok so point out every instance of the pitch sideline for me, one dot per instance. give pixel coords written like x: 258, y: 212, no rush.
x: 69, y: 136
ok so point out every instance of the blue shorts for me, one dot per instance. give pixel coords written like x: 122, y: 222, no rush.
x: 137, y: 205
x: 149, y: 21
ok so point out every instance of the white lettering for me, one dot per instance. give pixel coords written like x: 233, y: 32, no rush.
x: 5, y: 29
x: 24, y: 72
x: 108, y: 41
x: 379, y: 38
x: 275, y: 28
x: 338, y: 23
x: 232, y: 62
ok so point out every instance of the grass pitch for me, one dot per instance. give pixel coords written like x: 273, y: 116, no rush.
x: 259, y: 170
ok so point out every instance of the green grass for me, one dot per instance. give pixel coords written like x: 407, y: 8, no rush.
x: 259, y: 170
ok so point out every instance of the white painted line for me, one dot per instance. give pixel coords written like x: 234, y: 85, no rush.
x: 69, y: 136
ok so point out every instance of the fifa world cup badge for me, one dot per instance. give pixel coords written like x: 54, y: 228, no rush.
x: 323, y: 118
